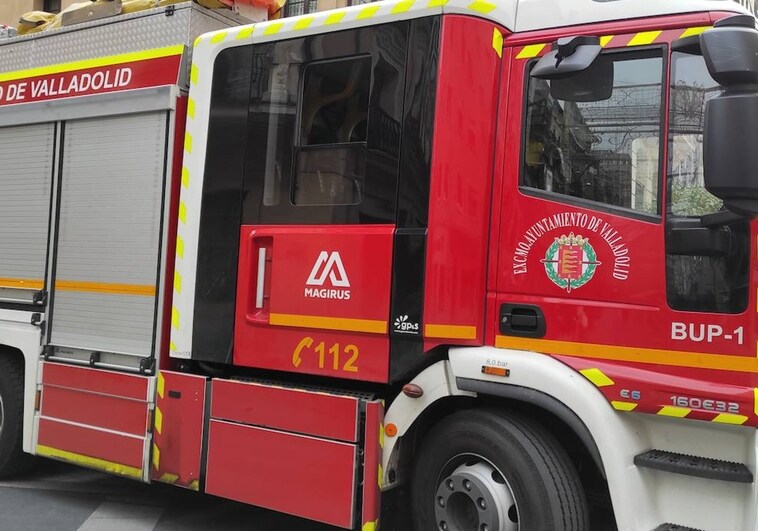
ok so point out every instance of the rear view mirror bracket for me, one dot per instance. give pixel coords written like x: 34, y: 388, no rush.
x: 568, y: 56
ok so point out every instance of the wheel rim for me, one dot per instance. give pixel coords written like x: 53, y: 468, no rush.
x: 473, y: 495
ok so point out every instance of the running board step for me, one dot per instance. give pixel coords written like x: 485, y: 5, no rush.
x: 688, y: 465
x: 674, y: 527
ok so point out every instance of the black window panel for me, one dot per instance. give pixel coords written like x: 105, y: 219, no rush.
x: 716, y: 284
x: 221, y: 207
x: 275, y: 145
x: 330, y: 175
x: 605, y: 152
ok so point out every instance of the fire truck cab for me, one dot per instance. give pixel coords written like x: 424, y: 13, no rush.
x: 496, y: 256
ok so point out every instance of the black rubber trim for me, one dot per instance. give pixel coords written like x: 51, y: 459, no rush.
x: 539, y: 399
x: 19, y: 306
x: 674, y: 527
x: 689, y: 465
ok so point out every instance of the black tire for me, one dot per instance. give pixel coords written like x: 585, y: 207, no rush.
x: 13, y: 460
x: 541, y: 478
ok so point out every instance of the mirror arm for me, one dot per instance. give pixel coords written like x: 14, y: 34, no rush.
x: 720, y: 219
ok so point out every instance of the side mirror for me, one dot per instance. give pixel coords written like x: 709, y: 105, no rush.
x: 730, y: 143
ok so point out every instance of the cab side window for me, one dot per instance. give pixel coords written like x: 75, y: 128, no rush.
x: 601, y: 147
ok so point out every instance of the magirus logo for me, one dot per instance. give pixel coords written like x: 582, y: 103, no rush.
x: 404, y: 326
x: 329, y: 267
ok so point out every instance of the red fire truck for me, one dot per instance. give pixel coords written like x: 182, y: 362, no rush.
x: 495, y: 255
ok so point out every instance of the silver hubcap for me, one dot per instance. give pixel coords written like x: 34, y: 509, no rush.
x: 474, y: 496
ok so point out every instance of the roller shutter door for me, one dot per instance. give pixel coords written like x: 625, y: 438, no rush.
x: 26, y: 170
x: 109, y: 228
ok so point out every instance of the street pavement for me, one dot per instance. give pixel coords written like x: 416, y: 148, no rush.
x: 58, y: 497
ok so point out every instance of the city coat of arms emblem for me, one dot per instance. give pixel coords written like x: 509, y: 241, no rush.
x: 570, y: 262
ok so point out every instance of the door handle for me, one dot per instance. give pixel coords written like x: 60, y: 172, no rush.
x: 260, y: 281
x: 522, y: 320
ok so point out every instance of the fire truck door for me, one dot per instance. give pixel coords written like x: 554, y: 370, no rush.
x: 602, y: 204
x: 316, y: 244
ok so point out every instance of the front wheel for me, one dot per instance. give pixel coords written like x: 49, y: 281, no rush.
x: 482, y: 470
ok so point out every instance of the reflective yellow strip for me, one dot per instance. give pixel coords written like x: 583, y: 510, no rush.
x: 673, y: 411
x: 730, y: 418
x: 450, y: 331
x: 160, y: 385
x: 645, y: 37
x: 755, y: 403
x: 188, y: 142
x: 171, y: 479
x: 597, y: 377
x: 185, y: 177
x: 172, y: 346
x: 533, y: 50
x: 179, y: 247
x: 219, y: 37
x: 198, y: 41
x: 191, y: 108
x: 381, y: 435
x: 482, y: 7
x: 605, y: 40
x: 245, y: 33
x: 367, y: 12
x: 182, y: 212
x: 177, y: 282
x: 110, y: 60
x: 497, y: 42
x: 303, y: 23
x: 623, y: 406
x: 370, y: 526
x: 273, y: 28
x: 380, y: 475
x: 329, y: 323
x: 402, y: 7
x: 21, y: 283
x: 436, y: 3
x: 194, y: 74
x: 674, y: 358
x: 174, y: 317
x: 102, y: 287
x: 156, y: 457
x: 334, y: 18
x: 195, y: 485
x: 90, y: 462
x: 158, y: 420
x: 689, y: 32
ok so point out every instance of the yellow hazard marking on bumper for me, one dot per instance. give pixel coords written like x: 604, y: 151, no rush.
x: 142, y: 290
x: 185, y: 177
x: 160, y: 385
x: 482, y: 7
x: 191, y: 108
x: 303, y: 23
x: 597, y: 377
x: 219, y: 37
x: 21, y: 283
x: 533, y: 50
x: 158, y: 420
x: 644, y: 38
x: 730, y: 418
x: 188, y: 142
x: 334, y: 18
x: 673, y: 411
x: 156, y: 457
x: 273, y: 28
x: 623, y: 406
x: 90, y: 462
x: 182, y: 212
x: 194, y: 74
x: 691, y: 32
x: 175, y: 317
x: 179, y: 247
x: 367, y: 12
x: 329, y: 323
x: 497, y: 42
x: 402, y: 7
x: 370, y: 526
x: 605, y: 40
x: 673, y: 358
x: 449, y: 331
x: 177, y: 282
x: 171, y: 479
x: 110, y: 60
x: 245, y: 33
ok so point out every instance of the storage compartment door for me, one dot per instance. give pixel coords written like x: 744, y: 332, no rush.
x: 26, y: 170
x: 109, y: 228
